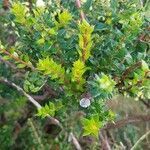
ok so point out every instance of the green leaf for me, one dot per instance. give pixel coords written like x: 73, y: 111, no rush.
x: 49, y: 67
x: 85, y: 39
x: 41, y: 41
x: 21, y: 66
x: 33, y: 82
x: 63, y: 19
x: 47, y: 110
x: 78, y: 70
x: 19, y: 10
x: 91, y: 126
x: 58, y: 105
x: 144, y: 66
x: 6, y: 57
x: 85, y: 27
x: 106, y: 83
x: 87, y: 5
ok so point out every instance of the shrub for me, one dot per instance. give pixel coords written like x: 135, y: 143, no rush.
x: 73, y: 54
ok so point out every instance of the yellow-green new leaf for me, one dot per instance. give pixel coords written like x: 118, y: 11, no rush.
x: 19, y: 10
x: 91, y: 126
x: 49, y: 67
x: 63, y: 19
x: 78, y: 70
x: 84, y: 27
x: 48, y: 109
x: 106, y: 83
x: 85, y: 40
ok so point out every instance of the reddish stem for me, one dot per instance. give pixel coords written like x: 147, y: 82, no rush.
x: 82, y: 15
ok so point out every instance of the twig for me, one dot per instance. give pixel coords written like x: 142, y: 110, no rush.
x: 127, y: 141
x: 82, y: 15
x: 6, y: 4
x: 125, y: 74
x: 41, y: 97
x: 107, y: 142
x: 35, y: 133
x: 48, y: 92
x: 140, y: 140
x: 104, y: 141
x: 7, y: 63
x: 147, y: 104
x: 30, y: 6
x: 129, y: 120
x: 34, y: 102
x: 17, y: 59
x: 74, y: 141
x: 130, y: 69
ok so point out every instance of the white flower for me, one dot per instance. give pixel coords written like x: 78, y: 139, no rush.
x: 85, y: 102
x: 40, y: 3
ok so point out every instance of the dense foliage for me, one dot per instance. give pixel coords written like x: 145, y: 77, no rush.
x: 73, y: 60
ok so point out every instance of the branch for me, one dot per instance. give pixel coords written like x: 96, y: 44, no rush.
x: 34, y: 102
x: 6, y: 4
x: 140, y: 140
x: 7, y: 63
x: 41, y: 97
x: 17, y: 59
x: 130, y: 69
x: 48, y: 92
x: 104, y: 141
x: 74, y: 141
x: 126, y: 121
x: 147, y: 104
